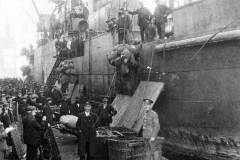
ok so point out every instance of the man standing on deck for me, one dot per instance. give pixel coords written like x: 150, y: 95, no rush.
x: 151, y: 128
x: 124, y: 26
x: 160, y: 14
x: 144, y: 19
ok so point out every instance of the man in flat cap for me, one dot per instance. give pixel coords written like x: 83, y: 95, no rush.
x: 65, y: 106
x: 77, y: 107
x: 29, y: 97
x: 47, y: 120
x: 22, y: 106
x: 151, y: 128
x: 47, y: 112
x: 56, y: 96
x: 86, y: 126
x: 107, y: 111
x: 41, y: 100
x: 33, y: 101
x: 31, y: 133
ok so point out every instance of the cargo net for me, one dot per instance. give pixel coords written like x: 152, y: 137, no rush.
x: 125, y: 59
x: 67, y: 74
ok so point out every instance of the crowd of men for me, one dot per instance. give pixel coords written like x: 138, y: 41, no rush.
x: 38, y: 113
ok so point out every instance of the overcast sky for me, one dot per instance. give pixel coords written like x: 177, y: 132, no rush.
x: 20, y: 18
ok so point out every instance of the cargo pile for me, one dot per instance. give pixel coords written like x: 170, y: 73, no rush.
x: 67, y: 74
x: 125, y: 58
x: 69, y: 120
x: 127, y: 54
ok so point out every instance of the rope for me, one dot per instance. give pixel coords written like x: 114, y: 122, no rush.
x: 151, y: 64
x: 164, y: 57
x: 210, y: 38
x: 112, y: 82
x: 152, y: 57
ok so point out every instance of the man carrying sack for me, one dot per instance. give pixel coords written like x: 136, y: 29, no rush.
x: 151, y: 128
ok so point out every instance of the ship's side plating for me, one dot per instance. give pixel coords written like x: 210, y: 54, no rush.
x: 199, y: 110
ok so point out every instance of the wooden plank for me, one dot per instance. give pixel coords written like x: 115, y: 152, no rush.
x: 120, y: 103
x: 131, y: 114
x: 130, y: 109
x: 17, y: 142
x: 55, y: 154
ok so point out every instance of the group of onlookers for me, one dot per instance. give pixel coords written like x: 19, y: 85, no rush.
x: 151, y: 25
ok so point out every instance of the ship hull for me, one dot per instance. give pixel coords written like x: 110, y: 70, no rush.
x: 199, y: 108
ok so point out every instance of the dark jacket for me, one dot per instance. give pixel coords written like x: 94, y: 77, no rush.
x: 124, y: 23
x: 105, y: 115
x: 41, y: 100
x: 144, y: 16
x: 86, y: 127
x: 3, y: 144
x: 161, y: 13
x: 65, y: 108
x: 48, y: 113
x: 56, y: 97
x: 22, y: 109
x: 77, y: 108
x: 38, y: 106
x: 31, y: 130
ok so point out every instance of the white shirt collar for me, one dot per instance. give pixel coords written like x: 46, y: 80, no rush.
x: 87, y: 113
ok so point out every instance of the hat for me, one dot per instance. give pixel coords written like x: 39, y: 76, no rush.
x: 105, y: 99
x: 149, y: 101
x: 29, y: 93
x: 30, y: 108
x: 87, y: 103
x: 34, y: 96
x: 24, y: 97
